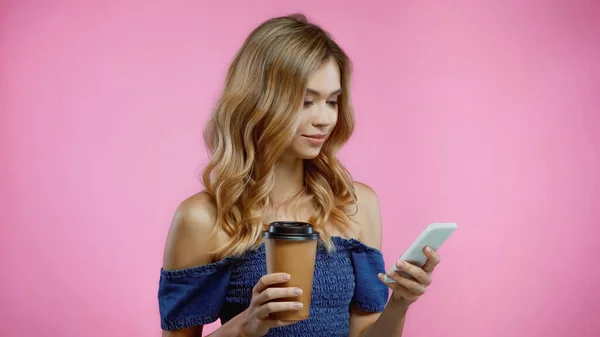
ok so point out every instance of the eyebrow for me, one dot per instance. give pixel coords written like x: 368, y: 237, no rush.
x: 316, y: 93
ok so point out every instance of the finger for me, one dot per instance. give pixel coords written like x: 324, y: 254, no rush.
x: 392, y: 285
x: 278, y: 323
x: 416, y: 272
x: 267, y: 308
x: 268, y: 280
x: 433, y: 259
x: 273, y: 293
x: 415, y: 288
x: 399, y: 290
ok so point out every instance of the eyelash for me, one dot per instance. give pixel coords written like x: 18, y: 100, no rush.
x: 331, y: 103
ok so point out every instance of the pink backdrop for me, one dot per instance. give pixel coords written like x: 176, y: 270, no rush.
x: 484, y: 113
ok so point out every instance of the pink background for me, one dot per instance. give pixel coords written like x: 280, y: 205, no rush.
x: 484, y: 113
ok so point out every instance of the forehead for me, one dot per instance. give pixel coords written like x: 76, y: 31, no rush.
x: 326, y: 78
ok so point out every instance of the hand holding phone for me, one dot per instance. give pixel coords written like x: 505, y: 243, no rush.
x: 433, y: 236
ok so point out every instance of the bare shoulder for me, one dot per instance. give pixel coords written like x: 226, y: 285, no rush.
x: 189, y: 243
x: 368, y: 215
x: 364, y: 193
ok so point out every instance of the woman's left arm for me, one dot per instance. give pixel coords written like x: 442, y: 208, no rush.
x: 405, y: 291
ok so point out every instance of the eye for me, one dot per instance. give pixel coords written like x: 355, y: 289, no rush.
x: 332, y: 103
x: 308, y: 103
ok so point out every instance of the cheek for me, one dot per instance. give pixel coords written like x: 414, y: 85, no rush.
x: 334, y: 117
x: 304, y: 118
x: 299, y: 121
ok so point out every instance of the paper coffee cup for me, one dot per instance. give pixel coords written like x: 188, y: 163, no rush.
x: 291, y: 247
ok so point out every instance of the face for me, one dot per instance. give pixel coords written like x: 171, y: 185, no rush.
x: 319, y: 112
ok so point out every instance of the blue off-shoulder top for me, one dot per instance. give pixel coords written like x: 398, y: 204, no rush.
x: 347, y: 276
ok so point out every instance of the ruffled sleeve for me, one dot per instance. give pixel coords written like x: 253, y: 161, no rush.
x: 193, y: 296
x: 370, y: 294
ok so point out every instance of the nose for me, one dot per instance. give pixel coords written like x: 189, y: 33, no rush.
x: 323, y: 115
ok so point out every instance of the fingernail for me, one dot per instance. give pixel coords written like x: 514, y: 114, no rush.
x: 298, y: 305
x: 285, y: 277
x: 400, y: 264
x: 428, y: 249
x: 298, y: 291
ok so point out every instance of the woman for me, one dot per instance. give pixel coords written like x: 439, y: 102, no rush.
x: 283, y: 115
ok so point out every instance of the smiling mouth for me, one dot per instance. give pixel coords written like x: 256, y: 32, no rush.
x: 323, y: 136
x: 315, y: 139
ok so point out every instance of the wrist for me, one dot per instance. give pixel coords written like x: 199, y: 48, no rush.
x: 400, y: 306
x: 236, y: 326
x: 238, y: 329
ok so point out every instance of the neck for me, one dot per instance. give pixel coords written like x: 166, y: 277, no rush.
x: 289, y: 179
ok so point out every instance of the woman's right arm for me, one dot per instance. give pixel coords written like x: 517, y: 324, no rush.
x: 188, y: 244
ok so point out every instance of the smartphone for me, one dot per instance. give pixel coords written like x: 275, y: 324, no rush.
x: 434, y: 236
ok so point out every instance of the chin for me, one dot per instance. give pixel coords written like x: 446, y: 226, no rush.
x: 309, y: 154
x: 309, y: 157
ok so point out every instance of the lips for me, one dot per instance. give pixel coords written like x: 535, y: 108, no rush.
x: 317, y: 139
x: 319, y: 136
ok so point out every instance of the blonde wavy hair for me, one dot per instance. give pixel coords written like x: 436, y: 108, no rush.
x: 253, y: 124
